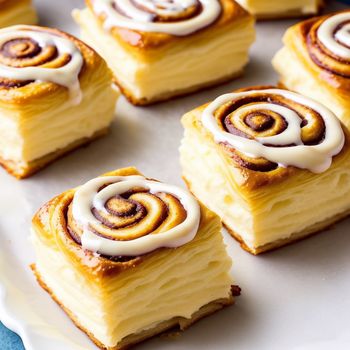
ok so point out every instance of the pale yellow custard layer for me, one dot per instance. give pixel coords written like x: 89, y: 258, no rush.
x: 176, y: 67
x: 170, y: 283
x: 39, y: 127
x: 269, y: 213
x: 278, y: 7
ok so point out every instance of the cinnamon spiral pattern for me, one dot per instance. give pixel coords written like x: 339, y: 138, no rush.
x: 130, y: 216
x: 329, y: 44
x: 33, y: 54
x: 176, y: 17
x: 272, y: 127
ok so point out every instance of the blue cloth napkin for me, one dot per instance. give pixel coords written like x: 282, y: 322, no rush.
x: 9, y: 340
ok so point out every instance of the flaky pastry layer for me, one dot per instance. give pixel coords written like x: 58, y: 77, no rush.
x: 262, y: 209
x: 39, y: 122
x: 120, y: 303
x: 295, y: 237
x: 174, y: 325
x: 146, y: 71
x: 22, y: 170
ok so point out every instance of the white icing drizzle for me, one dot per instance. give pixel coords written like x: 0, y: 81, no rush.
x: 87, y: 196
x: 328, y: 31
x: 66, y: 75
x: 316, y: 158
x: 133, y: 17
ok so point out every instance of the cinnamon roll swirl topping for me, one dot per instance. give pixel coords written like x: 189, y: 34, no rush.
x: 176, y: 17
x: 268, y: 128
x: 31, y: 54
x: 130, y: 216
x: 329, y: 43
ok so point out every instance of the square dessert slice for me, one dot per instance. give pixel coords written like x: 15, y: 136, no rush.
x: 55, y: 95
x: 128, y: 258
x: 157, y: 53
x: 274, y: 165
x: 17, y: 12
x: 315, y: 61
x: 273, y: 9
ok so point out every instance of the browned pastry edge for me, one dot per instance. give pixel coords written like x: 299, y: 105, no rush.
x: 175, y: 94
x: 290, y: 14
x: 177, y: 323
x: 295, y: 237
x: 38, y: 164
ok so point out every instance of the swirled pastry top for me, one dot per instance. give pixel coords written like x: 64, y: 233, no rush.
x: 35, y: 60
x: 131, y: 216
x: 270, y: 128
x: 326, y: 44
x: 152, y: 23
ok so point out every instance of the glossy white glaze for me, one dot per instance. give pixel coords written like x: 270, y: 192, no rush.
x: 131, y: 16
x: 316, y: 158
x: 88, y: 196
x: 335, y: 39
x: 66, y: 75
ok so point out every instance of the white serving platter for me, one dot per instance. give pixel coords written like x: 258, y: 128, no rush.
x: 295, y: 298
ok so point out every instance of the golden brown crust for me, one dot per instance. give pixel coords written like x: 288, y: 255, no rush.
x: 178, y: 323
x: 249, y: 179
x: 8, y: 4
x: 38, y: 90
x: 298, y: 39
x: 231, y: 11
x: 172, y: 95
x: 31, y: 168
x: 50, y: 223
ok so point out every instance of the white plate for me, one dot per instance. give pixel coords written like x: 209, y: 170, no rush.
x: 296, y: 298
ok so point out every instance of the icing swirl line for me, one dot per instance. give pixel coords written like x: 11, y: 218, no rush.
x: 285, y: 146
x: 336, y: 37
x: 176, y: 17
x: 104, y: 195
x: 32, y: 37
x: 328, y: 43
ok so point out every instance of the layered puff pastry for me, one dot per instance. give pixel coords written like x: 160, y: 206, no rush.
x: 55, y: 95
x: 158, y: 50
x: 276, y: 9
x: 273, y: 164
x: 17, y: 12
x: 315, y: 61
x: 129, y: 257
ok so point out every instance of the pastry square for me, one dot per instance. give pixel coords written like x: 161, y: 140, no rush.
x: 273, y: 164
x: 315, y: 61
x: 56, y: 94
x: 128, y: 258
x: 17, y: 12
x: 276, y: 9
x: 170, y: 51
